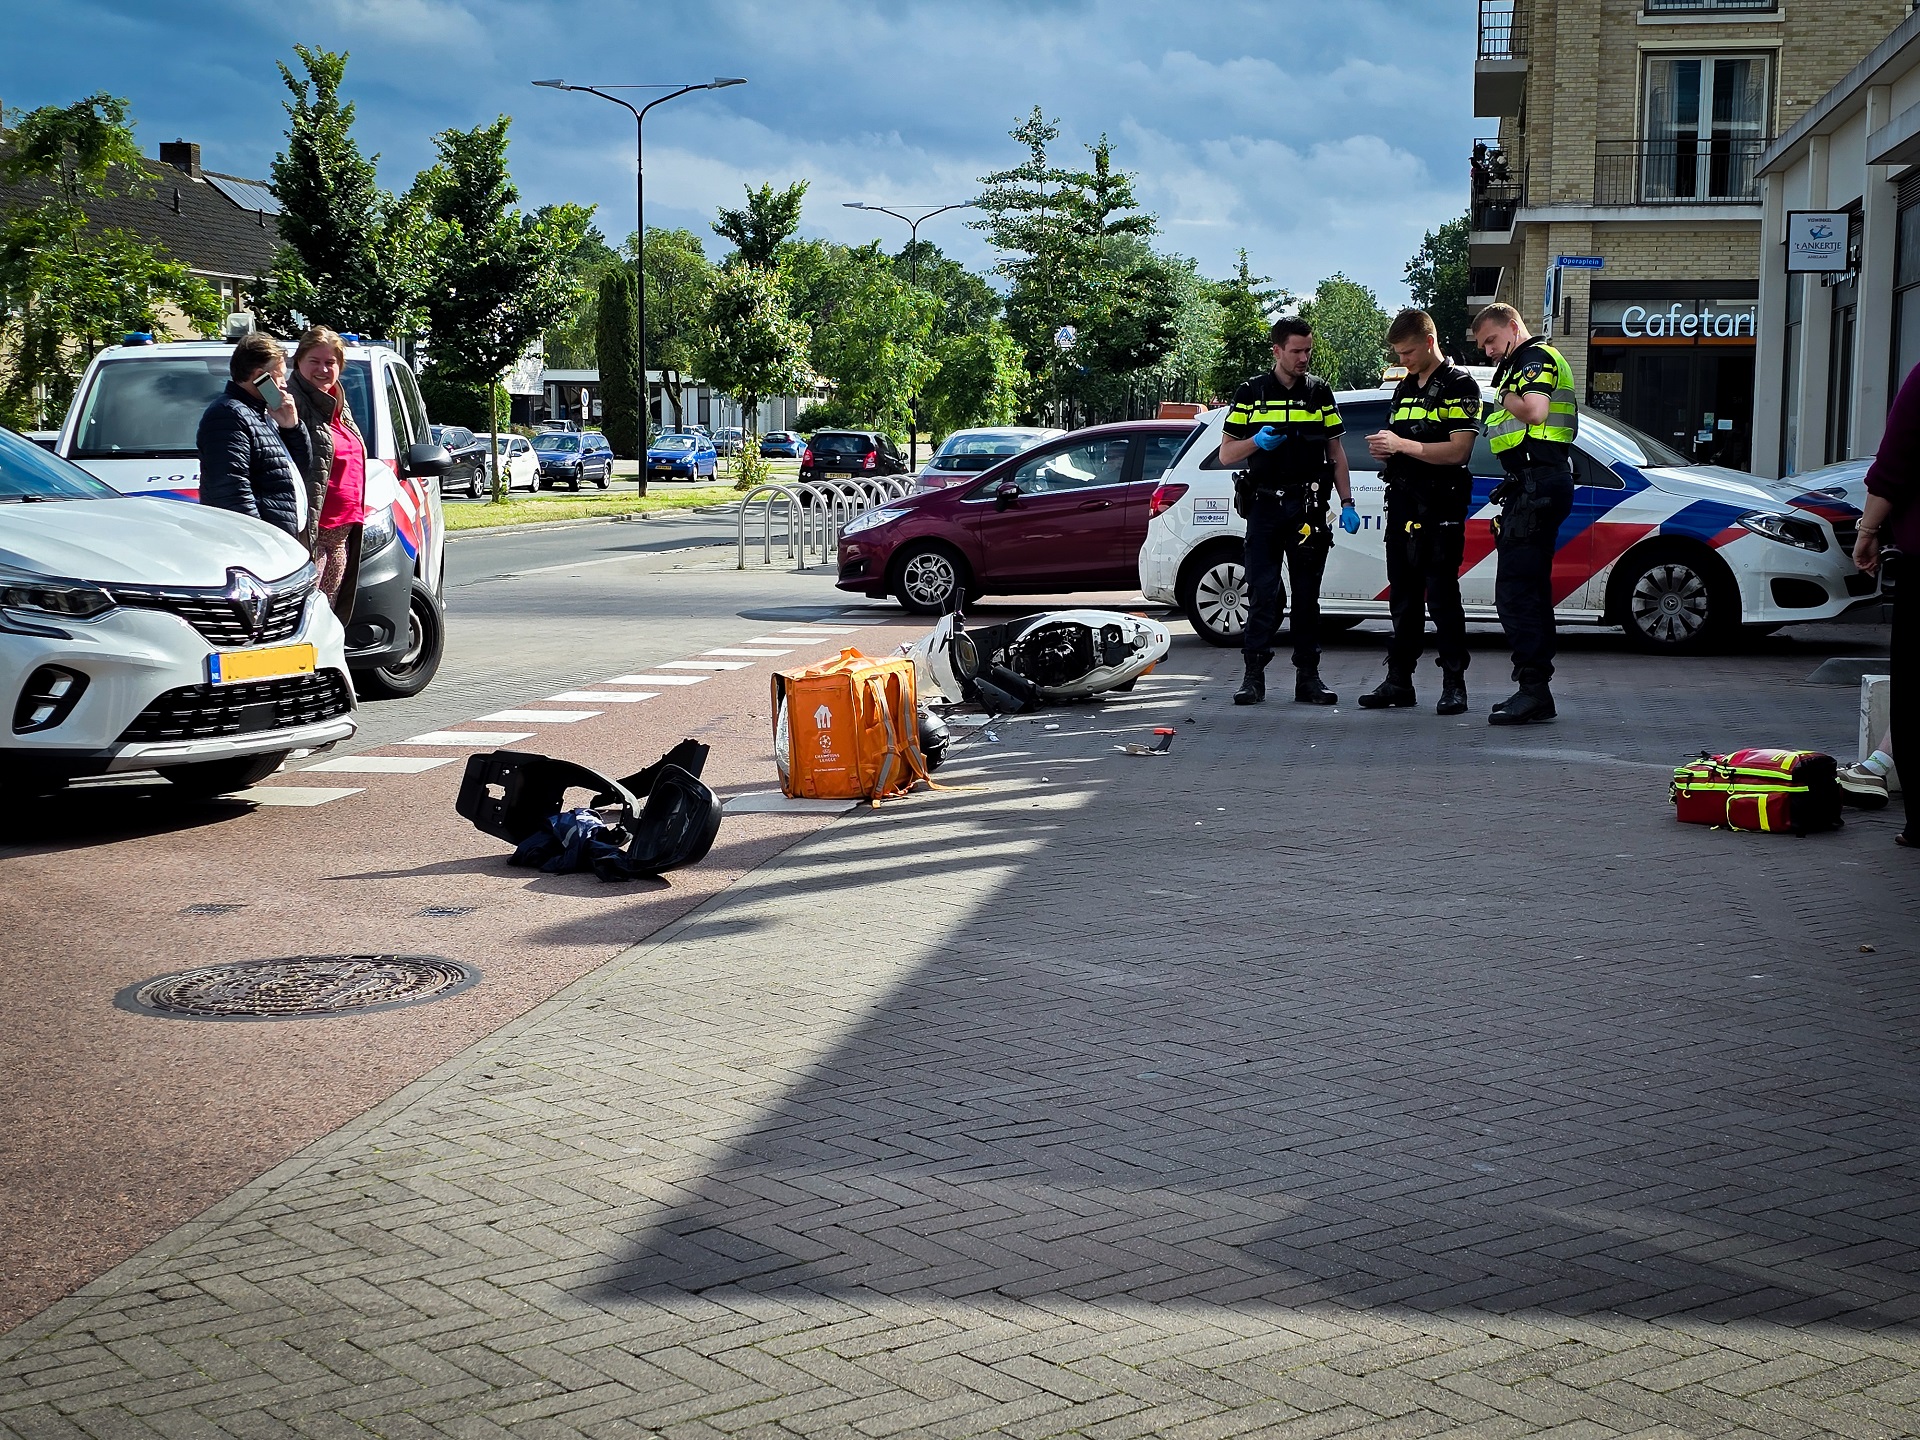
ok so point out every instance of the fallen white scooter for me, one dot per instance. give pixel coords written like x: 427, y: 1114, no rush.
x: 1052, y: 657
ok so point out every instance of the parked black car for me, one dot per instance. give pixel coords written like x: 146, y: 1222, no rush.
x: 469, y: 452
x: 865, y: 453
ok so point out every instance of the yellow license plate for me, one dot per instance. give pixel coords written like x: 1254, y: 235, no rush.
x: 230, y: 667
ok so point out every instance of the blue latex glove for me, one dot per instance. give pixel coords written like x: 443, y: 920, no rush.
x: 1269, y: 438
x: 1349, y: 519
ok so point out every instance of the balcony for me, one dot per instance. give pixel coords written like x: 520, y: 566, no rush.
x: 1483, y: 285
x: 1687, y: 170
x: 1500, y: 63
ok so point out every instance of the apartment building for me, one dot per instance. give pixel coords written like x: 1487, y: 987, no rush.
x: 1618, y: 204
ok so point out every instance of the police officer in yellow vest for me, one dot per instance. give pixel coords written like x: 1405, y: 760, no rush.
x: 1531, y: 431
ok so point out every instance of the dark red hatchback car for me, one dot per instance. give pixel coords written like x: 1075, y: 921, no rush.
x: 1070, y: 514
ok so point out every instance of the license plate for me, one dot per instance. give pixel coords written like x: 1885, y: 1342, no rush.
x: 230, y: 667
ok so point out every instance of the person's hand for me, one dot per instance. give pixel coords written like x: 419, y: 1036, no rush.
x: 1349, y: 518
x: 1866, y: 551
x: 1269, y: 438
x: 1383, y: 443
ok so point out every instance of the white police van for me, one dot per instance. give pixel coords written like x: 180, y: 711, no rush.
x: 133, y: 424
x: 1675, y: 553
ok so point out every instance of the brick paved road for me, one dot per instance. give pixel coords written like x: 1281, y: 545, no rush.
x: 1337, y: 1074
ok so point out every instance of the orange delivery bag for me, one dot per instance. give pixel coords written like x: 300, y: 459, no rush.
x: 848, y: 729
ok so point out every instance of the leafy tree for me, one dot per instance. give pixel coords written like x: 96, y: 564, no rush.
x: 977, y: 381
x: 499, y: 277
x: 1349, y: 333
x: 1439, y: 277
x: 65, y: 286
x: 750, y: 347
x: 353, y: 256
x: 679, y: 277
x: 870, y: 329
x: 620, y: 363
x: 1247, y: 308
x: 968, y: 305
x: 768, y: 219
x: 569, y: 344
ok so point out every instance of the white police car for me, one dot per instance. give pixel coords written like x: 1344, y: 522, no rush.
x: 1673, y: 552
x: 136, y: 636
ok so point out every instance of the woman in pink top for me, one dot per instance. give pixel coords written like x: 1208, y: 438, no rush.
x: 337, y: 476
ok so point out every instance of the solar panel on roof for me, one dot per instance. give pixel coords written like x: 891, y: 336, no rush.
x: 245, y: 194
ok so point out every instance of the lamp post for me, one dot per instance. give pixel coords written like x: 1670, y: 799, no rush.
x: 913, y: 279
x: 640, y: 222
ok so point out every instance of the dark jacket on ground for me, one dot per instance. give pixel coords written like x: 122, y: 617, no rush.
x: 249, y: 464
x: 1895, y: 474
x: 316, y: 409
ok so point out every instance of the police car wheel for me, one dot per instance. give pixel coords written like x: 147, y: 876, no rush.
x: 1214, y: 598
x: 408, y: 675
x: 929, y: 579
x: 1674, y: 598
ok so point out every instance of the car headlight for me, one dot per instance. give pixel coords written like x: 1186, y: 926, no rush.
x: 29, y: 594
x: 377, y: 531
x: 1787, y: 529
x: 873, y: 519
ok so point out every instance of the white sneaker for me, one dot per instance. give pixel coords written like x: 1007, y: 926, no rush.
x: 1861, y: 788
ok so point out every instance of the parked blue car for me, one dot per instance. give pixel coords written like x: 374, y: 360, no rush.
x: 567, y: 458
x: 681, y: 455
x: 782, y: 444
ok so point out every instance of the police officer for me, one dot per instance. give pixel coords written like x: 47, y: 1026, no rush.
x: 1532, y: 432
x: 1284, y: 429
x: 1431, y: 427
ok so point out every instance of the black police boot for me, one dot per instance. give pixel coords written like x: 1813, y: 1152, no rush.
x: 1453, y: 693
x: 1308, y: 690
x: 1529, y: 705
x: 1391, y: 693
x: 1253, y: 689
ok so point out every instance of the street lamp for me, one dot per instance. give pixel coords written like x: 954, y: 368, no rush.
x: 913, y: 279
x: 640, y: 220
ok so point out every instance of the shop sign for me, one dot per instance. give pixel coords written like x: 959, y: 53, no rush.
x: 1817, y: 240
x: 1677, y: 320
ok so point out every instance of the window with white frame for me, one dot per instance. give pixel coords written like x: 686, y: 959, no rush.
x: 1705, y: 128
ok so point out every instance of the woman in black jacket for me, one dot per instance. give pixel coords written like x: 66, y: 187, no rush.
x: 250, y: 455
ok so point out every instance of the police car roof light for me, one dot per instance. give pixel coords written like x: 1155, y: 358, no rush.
x: 136, y: 337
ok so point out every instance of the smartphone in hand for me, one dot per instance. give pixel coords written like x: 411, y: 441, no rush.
x: 270, y: 392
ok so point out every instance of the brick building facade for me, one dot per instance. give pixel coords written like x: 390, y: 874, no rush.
x: 1631, y: 134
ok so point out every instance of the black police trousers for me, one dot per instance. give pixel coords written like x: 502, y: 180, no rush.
x: 1539, y: 499
x: 1423, y: 578
x: 1285, y: 526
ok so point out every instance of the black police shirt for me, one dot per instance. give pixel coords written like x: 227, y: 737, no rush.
x: 1446, y: 404
x: 1304, y: 412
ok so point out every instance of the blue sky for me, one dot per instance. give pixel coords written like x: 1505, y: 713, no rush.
x: 1319, y: 134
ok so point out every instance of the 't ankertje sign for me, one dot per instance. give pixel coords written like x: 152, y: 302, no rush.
x: 1817, y: 240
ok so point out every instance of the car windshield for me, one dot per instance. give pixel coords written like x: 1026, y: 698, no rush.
x: 674, y: 442
x: 1634, y: 446
x: 28, y: 472
x: 151, y: 407
x: 965, y: 453
x: 559, y: 442
x: 841, y: 444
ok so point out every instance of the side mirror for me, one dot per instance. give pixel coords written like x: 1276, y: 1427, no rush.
x: 427, y: 458
x: 1007, y: 496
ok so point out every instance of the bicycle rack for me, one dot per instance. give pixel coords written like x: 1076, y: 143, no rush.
x: 773, y: 494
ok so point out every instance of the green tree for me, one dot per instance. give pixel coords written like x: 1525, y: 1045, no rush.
x: 968, y: 304
x: 750, y: 346
x: 499, y: 277
x: 65, y: 286
x: 976, y: 382
x: 679, y: 277
x: 870, y: 329
x: 1247, y: 307
x: 1349, y: 333
x: 352, y: 257
x: 1439, y: 277
x: 619, y: 325
x: 768, y: 219
x: 569, y: 343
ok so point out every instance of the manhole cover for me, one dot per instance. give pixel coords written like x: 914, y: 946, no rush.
x: 447, y: 912
x: 298, y: 986
x: 212, y: 909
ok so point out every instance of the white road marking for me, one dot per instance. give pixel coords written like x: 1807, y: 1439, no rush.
x: 754, y: 654
x: 706, y: 665
x: 476, y: 739
x: 819, y: 630
x: 550, y: 717
x: 782, y: 639
x: 658, y: 680
x: 379, y: 764
x: 303, y: 795
x: 615, y: 697
x: 858, y: 620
